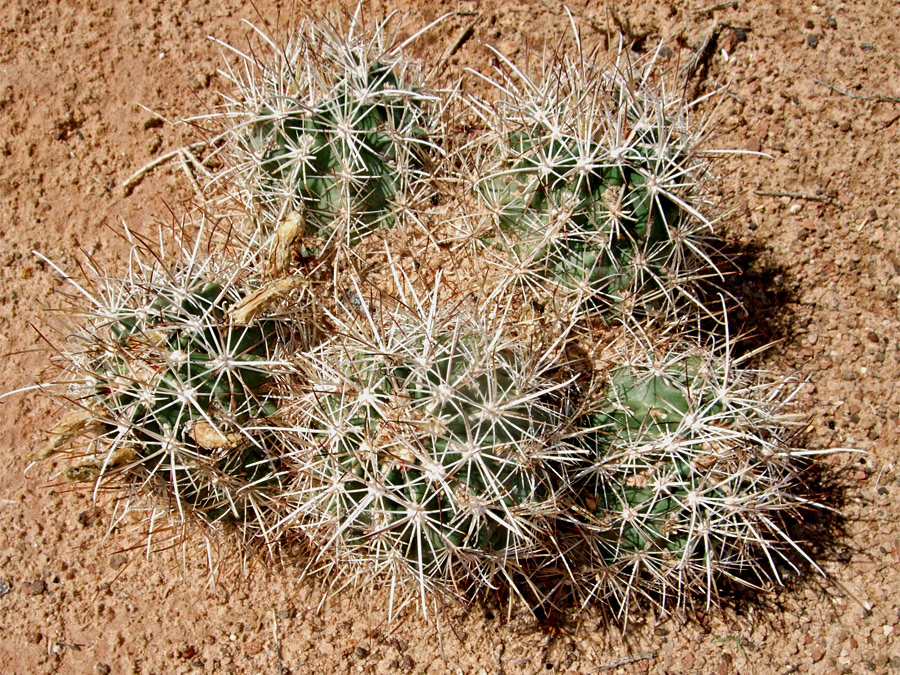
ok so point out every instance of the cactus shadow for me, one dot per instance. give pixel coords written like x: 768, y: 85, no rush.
x: 757, y: 301
x: 820, y: 530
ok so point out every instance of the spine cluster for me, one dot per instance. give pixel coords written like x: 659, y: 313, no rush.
x: 445, y: 360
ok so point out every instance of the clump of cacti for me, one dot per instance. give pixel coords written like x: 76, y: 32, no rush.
x: 492, y: 424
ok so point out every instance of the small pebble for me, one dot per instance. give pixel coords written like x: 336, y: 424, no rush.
x: 153, y: 122
x: 118, y: 560
x: 4, y: 587
x: 102, y: 668
x: 38, y: 587
x: 509, y: 48
x: 812, y: 40
x: 360, y: 652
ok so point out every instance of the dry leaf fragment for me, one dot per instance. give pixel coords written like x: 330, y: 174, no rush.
x: 94, y: 468
x: 289, y: 232
x: 254, y: 304
x: 74, y: 423
x: 210, y: 438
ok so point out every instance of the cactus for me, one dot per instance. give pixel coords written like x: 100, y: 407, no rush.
x: 336, y: 128
x: 592, y: 178
x: 178, y: 396
x: 437, y: 448
x: 692, y: 479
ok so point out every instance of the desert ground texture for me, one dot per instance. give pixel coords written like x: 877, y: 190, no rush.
x: 92, y: 92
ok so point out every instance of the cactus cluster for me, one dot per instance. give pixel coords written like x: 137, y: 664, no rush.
x: 501, y: 387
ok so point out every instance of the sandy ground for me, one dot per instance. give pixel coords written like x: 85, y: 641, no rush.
x: 76, y: 83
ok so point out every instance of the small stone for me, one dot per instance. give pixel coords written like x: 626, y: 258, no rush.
x: 103, y: 668
x: 688, y: 662
x: 812, y: 40
x: 866, y: 47
x: 817, y: 654
x: 252, y: 648
x: 118, y: 560
x: 360, y: 652
x: 197, y: 664
x: 4, y: 587
x: 845, y: 126
x: 38, y: 587
x: 188, y: 652
x: 287, y: 613
x: 509, y: 48
x: 831, y: 22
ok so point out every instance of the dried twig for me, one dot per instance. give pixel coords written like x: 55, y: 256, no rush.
x: 625, y: 660
x: 861, y: 97
x: 138, y: 175
x: 460, y: 40
x: 798, y: 195
x: 728, y: 4
x: 277, y: 643
x: 699, y: 60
